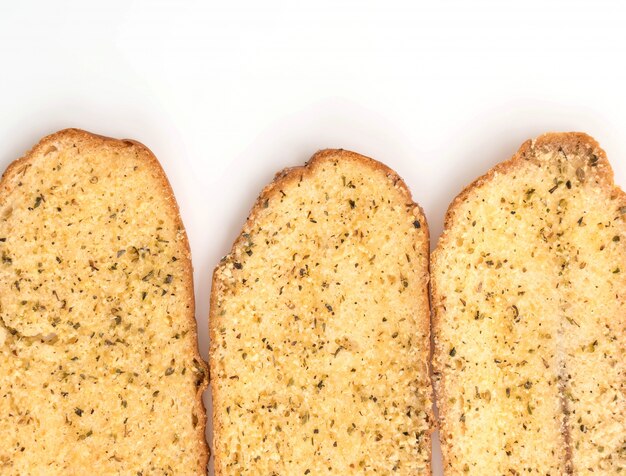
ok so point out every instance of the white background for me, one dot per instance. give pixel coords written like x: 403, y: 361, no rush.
x: 228, y: 93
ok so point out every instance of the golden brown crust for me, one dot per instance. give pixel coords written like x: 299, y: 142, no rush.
x: 281, y: 179
x: 98, y: 141
x: 567, y: 142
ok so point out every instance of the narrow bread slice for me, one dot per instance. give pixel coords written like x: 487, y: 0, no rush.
x: 99, y: 367
x: 529, y: 295
x: 320, y: 327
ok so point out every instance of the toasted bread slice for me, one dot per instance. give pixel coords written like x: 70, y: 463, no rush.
x: 529, y: 289
x: 99, y: 367
x: 320, y: 327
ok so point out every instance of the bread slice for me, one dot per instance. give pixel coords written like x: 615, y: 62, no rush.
x: 99, y: 367
x: 320, y: 327
x: 529, y: 295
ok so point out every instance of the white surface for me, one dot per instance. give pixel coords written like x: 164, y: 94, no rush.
x: 228, y: 93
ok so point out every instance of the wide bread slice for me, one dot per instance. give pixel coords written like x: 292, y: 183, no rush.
x: 320, y: 327
x: 99, y: 367
x: 529, y: 292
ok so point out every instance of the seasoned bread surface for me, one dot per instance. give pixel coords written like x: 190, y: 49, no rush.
x: 529, y: 289
x: 99, y: 368
x: 320, y: 327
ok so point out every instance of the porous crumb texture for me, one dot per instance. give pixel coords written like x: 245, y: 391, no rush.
x: 99, y: 370
x: 320, y: 328
x: 529, y: 288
